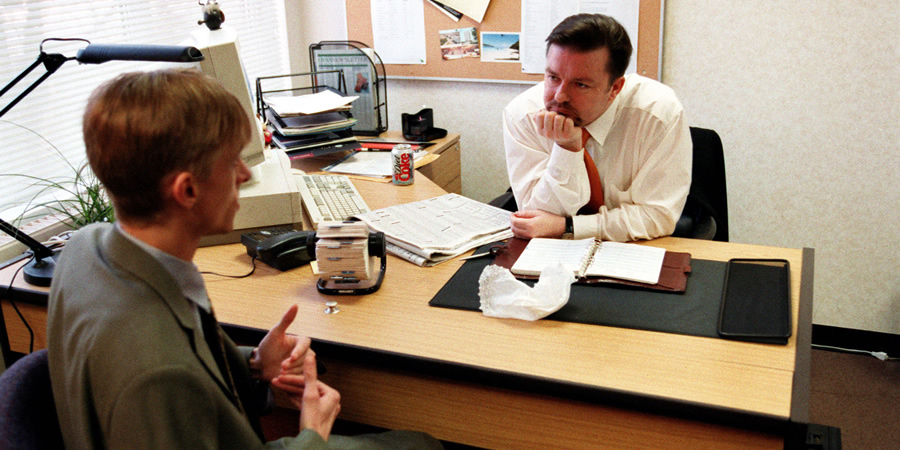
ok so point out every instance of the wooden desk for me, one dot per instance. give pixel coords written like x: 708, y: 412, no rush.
x: 460, y: 376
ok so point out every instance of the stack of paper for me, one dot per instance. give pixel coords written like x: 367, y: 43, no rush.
x: 320, y: 102
x: 431, y: 231
x: 311, y: 124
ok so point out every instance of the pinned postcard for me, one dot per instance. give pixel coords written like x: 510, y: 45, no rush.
x: 499, y: 47
x: 459, y: 43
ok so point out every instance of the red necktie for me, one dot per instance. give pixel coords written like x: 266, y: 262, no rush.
x: 596, y: 201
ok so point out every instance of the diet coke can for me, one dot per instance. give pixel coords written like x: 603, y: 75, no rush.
x: 404, y: 167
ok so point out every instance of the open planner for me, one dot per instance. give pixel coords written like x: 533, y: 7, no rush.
x: 595, y: 262
x: 592, y: 258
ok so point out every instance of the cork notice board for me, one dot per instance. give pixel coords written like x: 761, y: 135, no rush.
x: 501, y: 16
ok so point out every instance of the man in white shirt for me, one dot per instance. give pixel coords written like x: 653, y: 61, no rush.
x: 638, y: 141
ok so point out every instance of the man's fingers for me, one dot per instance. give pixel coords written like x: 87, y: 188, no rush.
x: 556, y: 127
x: 298, y: 353
x: 330, y: 397
x: 309, y: 368
x: 287, y: 319
x: 559, y: 125
x: 292, y: 384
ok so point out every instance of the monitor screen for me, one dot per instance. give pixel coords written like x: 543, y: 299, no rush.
x: 222, y: 61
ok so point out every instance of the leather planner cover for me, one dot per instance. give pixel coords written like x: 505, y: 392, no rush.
x: 672, y: 278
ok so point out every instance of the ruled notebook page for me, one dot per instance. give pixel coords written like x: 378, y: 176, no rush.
x: 542, y: 252
x: 627, y: 262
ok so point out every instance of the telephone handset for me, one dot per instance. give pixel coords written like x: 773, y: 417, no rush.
x: 282, y: 249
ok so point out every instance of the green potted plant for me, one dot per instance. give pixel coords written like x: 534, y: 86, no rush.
x: 77, y: 198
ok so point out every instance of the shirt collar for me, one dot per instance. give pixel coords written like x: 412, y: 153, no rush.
x: 185, y: 273
x: 600, y: 127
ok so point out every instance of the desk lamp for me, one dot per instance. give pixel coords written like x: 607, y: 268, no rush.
x: 40, y: 270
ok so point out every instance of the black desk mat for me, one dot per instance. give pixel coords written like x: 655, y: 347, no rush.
x: 694, y: 312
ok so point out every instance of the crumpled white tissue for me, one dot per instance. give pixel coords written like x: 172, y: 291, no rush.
x: 503, y: 296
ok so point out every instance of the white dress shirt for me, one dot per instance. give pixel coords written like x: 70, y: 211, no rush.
x: 641, y: 146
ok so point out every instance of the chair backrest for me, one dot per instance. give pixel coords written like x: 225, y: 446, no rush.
x: 708, y: 188
x: 27, y: 410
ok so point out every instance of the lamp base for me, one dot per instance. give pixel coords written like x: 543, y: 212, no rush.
x: 39, y: 272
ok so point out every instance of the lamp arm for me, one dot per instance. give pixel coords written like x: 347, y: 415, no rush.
x: 40, y: 250
x: 51, y: 62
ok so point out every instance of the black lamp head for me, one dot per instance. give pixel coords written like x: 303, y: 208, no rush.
x: 101, y: 53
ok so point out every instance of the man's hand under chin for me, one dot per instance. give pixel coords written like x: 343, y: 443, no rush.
x: 534, y: 223
x: 558, y: 128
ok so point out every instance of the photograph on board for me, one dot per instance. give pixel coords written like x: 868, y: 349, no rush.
x: 459, y: 43
x: 499, y: 47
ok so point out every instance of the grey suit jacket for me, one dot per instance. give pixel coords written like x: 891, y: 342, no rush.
x: 128, y: 364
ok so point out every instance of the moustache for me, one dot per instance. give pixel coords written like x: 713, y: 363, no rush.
x: 563, y: 109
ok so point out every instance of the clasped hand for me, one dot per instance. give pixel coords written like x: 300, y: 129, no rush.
x: 280, y: 353
x: 534, y: 223
x: 288, y: 362
x: 559, y: 129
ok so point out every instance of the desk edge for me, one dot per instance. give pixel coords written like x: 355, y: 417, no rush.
x: 534, y: 385
x: 800, y: 389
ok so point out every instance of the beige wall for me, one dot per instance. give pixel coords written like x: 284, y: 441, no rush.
x: 804, y: 95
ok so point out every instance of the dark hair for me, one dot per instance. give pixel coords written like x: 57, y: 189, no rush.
x: 142, y: 127
x: 586, y: 32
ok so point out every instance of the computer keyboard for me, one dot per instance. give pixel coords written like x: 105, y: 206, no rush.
x: 329, y: 197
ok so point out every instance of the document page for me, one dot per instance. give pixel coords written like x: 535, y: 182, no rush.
x: 627, y: 262
x: 592, y: 258
x: 543, y: 252
x: 398, y: 31
x: 320, y: 102
x: 442, y: 227
x: 540, y: 16
x: 368, y: 164
x: 472, y: 8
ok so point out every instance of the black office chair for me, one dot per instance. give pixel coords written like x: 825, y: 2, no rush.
x: 505, y: 201
x: 705, y: 215
x: 27, y: 410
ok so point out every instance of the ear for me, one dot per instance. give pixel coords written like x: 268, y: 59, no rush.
x: 183, y: 189
x: 616, y: 88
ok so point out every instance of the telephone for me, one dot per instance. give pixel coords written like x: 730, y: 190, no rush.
x: 281, y: 248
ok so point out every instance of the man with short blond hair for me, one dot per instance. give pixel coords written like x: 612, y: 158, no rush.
x: 136, y: 355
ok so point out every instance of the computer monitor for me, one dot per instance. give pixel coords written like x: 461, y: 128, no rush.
x: 222, y: 61
x: 271, y: 198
